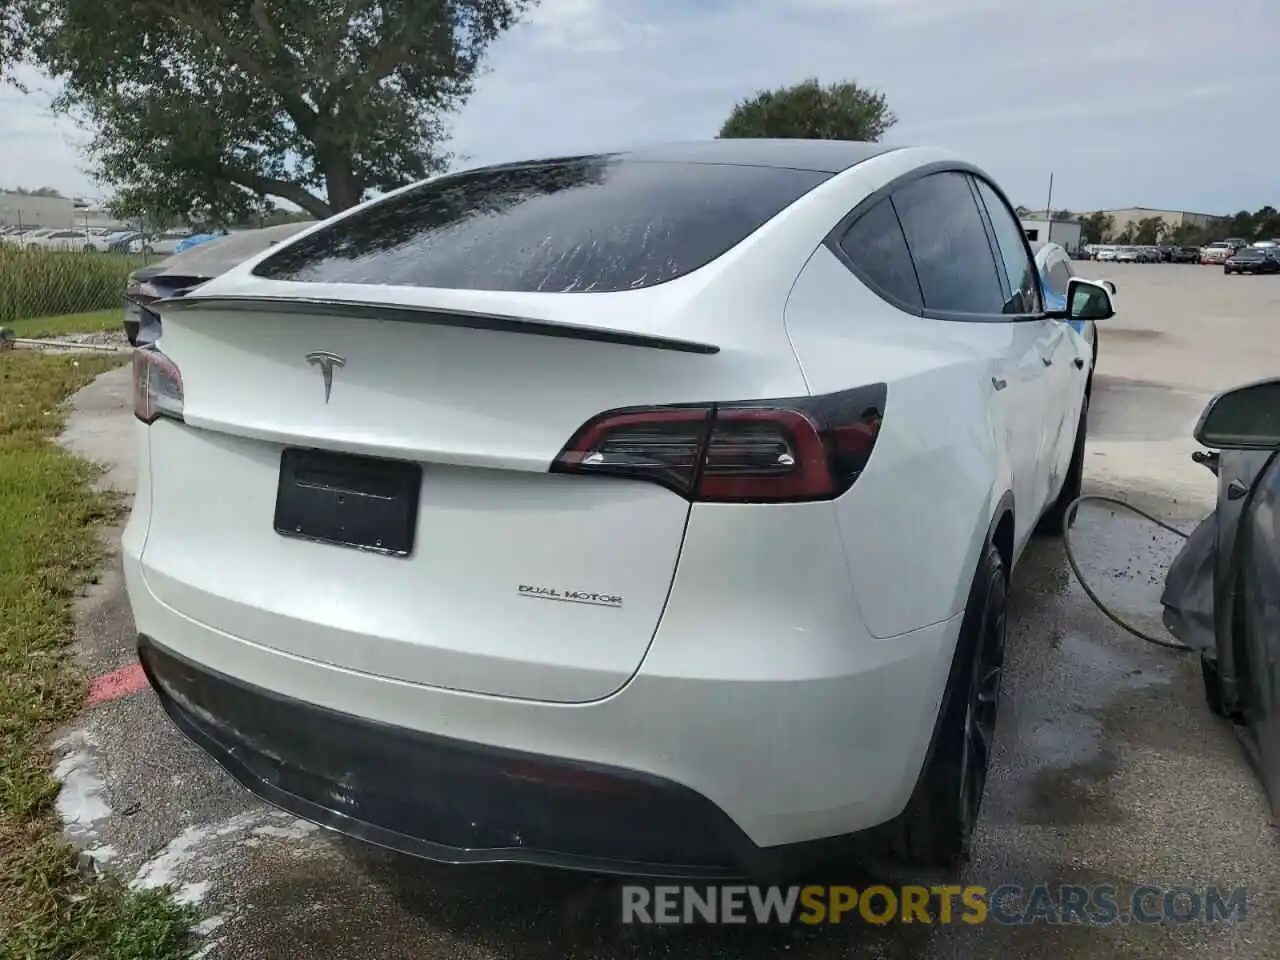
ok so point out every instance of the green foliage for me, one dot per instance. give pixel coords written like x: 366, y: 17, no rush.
x: 13, y: 39
x: 45, y: 283
x: 202, y: 108
x: 808, y: 110
x: 1095, y: 227
x: 1063, y: 215
x: 1150, y: 231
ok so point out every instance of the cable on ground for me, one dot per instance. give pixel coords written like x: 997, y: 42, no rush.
x: 1098, y: 602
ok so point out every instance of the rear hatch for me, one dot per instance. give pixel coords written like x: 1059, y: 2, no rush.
x: 368, y: 485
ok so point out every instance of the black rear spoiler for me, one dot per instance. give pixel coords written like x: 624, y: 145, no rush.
x: 401, y: 313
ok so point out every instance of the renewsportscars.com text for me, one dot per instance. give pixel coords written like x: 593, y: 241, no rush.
x: 1007, y: 904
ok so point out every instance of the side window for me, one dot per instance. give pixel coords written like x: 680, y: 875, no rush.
x: 1059, y: 274
x: 1025, y: 297
x: 948, y: 243
x: 879, y: 253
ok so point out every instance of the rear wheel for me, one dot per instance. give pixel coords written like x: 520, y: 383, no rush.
x: 936, y: 829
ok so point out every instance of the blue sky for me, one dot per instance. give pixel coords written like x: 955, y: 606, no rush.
x: 1156, y: 103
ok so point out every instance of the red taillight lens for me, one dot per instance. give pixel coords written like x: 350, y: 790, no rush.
x: 157, y: 386
x: 758, y: 451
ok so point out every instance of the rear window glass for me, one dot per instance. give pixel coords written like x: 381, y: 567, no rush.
x: 596, y: 224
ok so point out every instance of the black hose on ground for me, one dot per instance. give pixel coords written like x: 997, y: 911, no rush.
x: 1098, y: 602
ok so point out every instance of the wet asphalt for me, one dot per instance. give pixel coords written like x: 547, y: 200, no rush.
x: 1108, y: 769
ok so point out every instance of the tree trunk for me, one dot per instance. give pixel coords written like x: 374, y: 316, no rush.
x: 340, y: 183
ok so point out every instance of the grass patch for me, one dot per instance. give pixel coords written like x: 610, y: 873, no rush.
x: 49, y: 548
x: 93, y: 322
x: 48, y: 283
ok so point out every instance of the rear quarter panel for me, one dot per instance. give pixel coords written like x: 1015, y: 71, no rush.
x: 913, y: 523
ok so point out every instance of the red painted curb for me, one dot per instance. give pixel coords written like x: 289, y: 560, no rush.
x: 117, y: 684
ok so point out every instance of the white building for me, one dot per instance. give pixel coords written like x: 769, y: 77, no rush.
x: 1065, y: 233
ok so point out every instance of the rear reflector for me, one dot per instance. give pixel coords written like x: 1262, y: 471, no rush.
x: 756, y: 451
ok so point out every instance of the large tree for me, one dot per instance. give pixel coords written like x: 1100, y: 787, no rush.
x: 1096, y: 227
x: 13, y: 39
x: 1150, y: 230
x: 201, y: 109
x: 808, y: 110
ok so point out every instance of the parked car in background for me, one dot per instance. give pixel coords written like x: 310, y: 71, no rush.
x: 1186, y: 255
x: 119, y: 241
x: 165, y: 244
x: 1128, y: 255
x: 28, y: 236
x: 1149, y: 254
x: 185, y: 271
x: 1216, y: 253
x: 1106, y: 253
x: 1252, y: 260
x: 61, y: 240
x: 370, y: 448
x: 1222, y: 592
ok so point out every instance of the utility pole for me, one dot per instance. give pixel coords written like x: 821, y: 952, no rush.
x: 1048, y: 210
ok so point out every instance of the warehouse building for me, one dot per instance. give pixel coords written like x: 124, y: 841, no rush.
x: 1065, y: 233
x: 23, y: 209
x: 1132, y: 216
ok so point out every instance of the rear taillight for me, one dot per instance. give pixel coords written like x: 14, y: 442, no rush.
x: 157, y: 386
x: 755, y: 451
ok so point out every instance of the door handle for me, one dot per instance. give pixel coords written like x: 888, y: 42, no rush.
x: 1047, y: 361
x: 1236, y: 489
x: 1079, y: 362
x: 999, y: 383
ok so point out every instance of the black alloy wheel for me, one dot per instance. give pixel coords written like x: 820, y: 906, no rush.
x: 983, y: 705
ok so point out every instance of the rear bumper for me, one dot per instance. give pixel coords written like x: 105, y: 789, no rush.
x: 445, y: 799
x: 689, y: 775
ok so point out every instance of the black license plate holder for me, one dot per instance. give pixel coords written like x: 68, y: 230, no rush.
x: 364, y: 503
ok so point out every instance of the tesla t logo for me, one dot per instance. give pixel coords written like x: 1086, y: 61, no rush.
x: 326, y: 361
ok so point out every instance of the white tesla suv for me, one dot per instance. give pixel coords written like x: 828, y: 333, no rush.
x: 647, y: 512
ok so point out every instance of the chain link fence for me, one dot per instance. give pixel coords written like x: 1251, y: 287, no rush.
x: 42, y: 283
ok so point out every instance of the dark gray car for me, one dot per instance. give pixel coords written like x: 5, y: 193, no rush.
x: 183, y: 272
x: 1222, y: 593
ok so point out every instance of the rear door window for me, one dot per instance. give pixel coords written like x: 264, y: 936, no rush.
x: 949, y: 245
x: 593, y: 224
x: 877, y: 249
x: 1059, y: 273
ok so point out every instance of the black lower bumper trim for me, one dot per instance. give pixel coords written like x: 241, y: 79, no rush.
x: 443, y: 799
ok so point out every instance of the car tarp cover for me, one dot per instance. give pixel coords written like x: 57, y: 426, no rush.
x: 1188, y: 588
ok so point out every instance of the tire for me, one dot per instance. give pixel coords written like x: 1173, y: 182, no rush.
x: 1212, y: 686
x: 1053, y: 523
x: 935, y: 831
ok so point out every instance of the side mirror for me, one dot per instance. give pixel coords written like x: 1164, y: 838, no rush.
x: 1246, y: 418
x: 1087, y: 300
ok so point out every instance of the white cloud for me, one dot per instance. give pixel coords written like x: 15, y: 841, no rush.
x: 1128, y: 104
